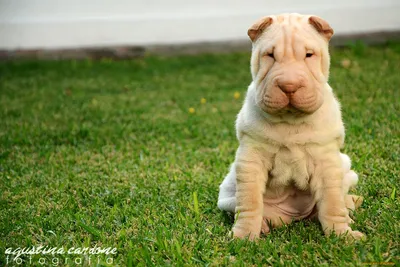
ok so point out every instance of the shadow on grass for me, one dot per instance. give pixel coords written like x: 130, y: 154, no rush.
x: 227, y: 218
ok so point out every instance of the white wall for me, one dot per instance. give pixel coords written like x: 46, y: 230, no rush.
x: 34, y: 24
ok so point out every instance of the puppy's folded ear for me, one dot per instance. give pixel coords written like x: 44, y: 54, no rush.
x: 257, y: 28
x: 321, y: 26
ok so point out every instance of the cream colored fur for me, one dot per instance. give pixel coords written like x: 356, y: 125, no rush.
x: 289, y: 153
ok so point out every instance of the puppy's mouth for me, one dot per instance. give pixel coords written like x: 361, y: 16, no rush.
x: 290, y: 104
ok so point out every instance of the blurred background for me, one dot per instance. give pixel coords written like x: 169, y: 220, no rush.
x: 156, y: 24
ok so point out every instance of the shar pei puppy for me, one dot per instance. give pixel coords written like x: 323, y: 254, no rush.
x: 288, y: 165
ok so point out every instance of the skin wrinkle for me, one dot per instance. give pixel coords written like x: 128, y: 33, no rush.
x: 262, y: 79
x: 290, y: 41
x: 317, y: 52
x: 285, y: 41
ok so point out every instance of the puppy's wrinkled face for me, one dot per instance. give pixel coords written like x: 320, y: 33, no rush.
x: 290, y: 63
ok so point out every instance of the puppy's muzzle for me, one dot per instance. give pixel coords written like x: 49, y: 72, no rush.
x: 289, y: 86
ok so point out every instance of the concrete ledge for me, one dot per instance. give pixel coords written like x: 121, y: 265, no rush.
x: 373, y: 38
x: 128, y: 52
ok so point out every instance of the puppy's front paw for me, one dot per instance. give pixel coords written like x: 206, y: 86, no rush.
x: 352, y: 235
x: 356, y: 235
x: 347, y: 233
x: 249, y: 228
x: 245, y: 233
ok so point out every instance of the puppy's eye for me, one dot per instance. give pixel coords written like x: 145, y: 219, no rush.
x: 271, y: 55
x: 309, y: 54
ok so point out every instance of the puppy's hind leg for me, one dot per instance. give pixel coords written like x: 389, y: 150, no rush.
x: 350, y: 180
x: 227, y: 191
x: 353, y: 201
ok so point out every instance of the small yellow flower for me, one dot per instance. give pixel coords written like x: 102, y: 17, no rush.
x: 345, y: 63
x: 191, y: 110
x: 236, y: 95
x: 203, y: 100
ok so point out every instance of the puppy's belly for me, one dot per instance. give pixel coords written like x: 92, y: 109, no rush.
x: 287, y: 196
x: 291, y: 204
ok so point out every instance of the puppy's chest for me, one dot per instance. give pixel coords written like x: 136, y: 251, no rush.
x: 291, y: 165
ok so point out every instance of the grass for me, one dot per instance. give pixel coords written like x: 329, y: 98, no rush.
x: 107, y: 153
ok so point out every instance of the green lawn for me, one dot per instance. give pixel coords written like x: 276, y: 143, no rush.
x: 107, y: 153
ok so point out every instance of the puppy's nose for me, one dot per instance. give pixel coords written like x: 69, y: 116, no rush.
x: 289, y: 88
